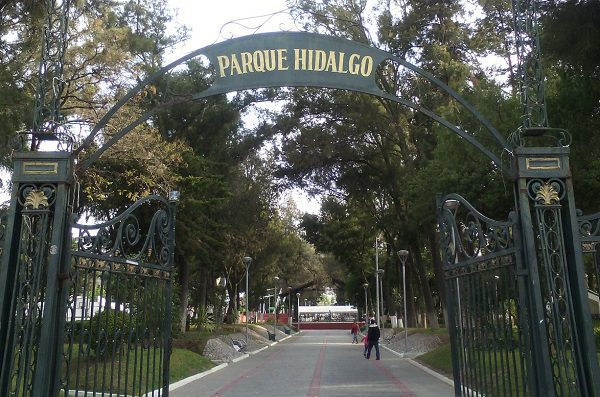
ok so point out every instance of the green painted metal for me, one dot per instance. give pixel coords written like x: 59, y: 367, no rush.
x: 291, y: 65
x: 557, y: 254
x: 589, y: 235
x: 35, y: 232
x: 540, y: 261
x: 486, y: 312
x: 529, y: 64
x: 118, y: 317
x: 47, y: 118
x: 128, y: 259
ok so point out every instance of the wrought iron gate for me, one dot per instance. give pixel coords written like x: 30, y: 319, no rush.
x: 589, y: 232
x: 518, y: 308
x: 117, y: 334
x: 486, y: 315
x: 82, y: 313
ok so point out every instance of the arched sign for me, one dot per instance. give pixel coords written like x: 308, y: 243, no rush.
x: 299, y: 59
x: 293, y: 59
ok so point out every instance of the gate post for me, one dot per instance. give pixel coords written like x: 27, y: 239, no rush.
x: 36, y: 248
x: 562, y: 340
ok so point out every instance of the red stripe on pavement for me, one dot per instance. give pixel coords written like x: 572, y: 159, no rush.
x: 315, y: 384
x: 244, y: 375
x: 406, y: 392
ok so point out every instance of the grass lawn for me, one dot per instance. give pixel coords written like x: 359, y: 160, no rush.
x: 139, y: 370
x: 186, y: 363
x: 439, y: 359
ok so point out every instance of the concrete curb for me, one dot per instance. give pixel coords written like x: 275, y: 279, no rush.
x: 423, y: 368
x: 240, y: 358
x: 258, y: 351
x: 431, y: 372
x: 192, y: 378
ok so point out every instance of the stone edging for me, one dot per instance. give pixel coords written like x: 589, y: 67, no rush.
x: 192, y: 378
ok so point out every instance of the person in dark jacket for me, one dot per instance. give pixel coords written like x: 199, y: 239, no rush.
x: 373, y: 335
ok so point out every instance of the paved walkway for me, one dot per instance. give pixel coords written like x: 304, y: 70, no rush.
x: 316, y: 363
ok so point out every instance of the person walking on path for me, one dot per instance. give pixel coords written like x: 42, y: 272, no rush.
x: 373, y: 335
x: 354, y: 332
x: 365, y: 341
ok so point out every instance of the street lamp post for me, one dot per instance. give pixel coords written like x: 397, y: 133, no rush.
x: 380, y: 272
x: 298, y: 314
x: 275, y: 307
x: 377, y: 280
x: 403, y: 255
x: 366, y: 287
x: 247, y: 262
x: 289, y: 305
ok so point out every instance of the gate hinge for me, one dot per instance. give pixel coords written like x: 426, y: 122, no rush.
x: 64, y: 276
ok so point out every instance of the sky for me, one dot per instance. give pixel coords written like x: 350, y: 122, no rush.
x: 213, y: 20
x: 217, y: 20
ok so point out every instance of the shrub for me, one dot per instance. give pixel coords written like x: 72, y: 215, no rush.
x: 76, y: 328
x: 205, y: 321
x: 108, y: 330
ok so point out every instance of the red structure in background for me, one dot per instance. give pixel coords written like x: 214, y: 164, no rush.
x: 282, y: 318
x: 326, y: 325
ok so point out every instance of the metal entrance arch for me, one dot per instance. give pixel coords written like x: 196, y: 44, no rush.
x: 540, y: 266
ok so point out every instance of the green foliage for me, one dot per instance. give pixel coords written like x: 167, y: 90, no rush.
x: 110, y: 330
x: 571, y: 58
x: 77, y: 328
x: 185, y: 363
x: 440, y: 359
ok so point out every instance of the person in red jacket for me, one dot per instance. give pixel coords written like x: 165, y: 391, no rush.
x: 354, y: 332
x: 373, y: 336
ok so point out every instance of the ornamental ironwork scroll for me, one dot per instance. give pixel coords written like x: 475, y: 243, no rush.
x: 589, y: 235
x: 547, y: 196
x: 36, y: 203
x: 117, y: 335
x: 485, y: 310
x: 589, y: 227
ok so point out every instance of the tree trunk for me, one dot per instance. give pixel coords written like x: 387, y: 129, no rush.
x: 438, y: 271
x: 387, y: 296
x: 410, y: 302
x: 425, y: 290
x: 203, y: 293
x: 184, y: 293
x: 232, y: 308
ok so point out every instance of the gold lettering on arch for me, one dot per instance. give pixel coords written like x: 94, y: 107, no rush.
x: 302, y: 59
